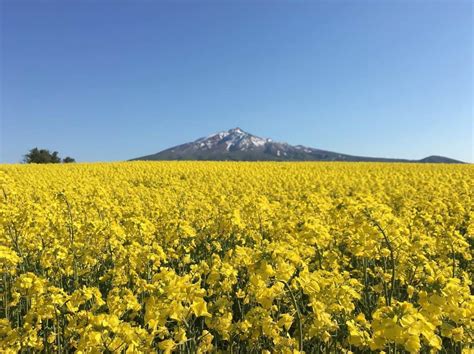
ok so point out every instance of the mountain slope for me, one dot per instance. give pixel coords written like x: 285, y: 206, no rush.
x: 238, y: 145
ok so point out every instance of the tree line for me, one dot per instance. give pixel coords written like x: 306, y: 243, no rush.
x: 36, y: 155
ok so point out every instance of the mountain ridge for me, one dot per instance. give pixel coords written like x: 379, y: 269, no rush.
x: 237, y: 145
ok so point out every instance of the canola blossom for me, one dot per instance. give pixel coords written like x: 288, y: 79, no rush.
x: 181, y: 257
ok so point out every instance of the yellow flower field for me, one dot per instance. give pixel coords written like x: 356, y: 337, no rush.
x: 236, y: 257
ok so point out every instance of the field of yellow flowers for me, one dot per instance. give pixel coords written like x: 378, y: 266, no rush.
x: 236, y: 257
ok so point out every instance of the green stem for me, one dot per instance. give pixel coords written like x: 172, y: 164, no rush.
x: 298, y: 314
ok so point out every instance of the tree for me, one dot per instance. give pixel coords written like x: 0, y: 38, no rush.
x: 44, y: 156
x: 68, y: 159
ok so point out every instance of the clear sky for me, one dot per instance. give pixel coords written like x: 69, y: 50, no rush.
x: 113, y: 80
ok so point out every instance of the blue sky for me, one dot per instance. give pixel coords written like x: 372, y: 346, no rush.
x: 113, y: 80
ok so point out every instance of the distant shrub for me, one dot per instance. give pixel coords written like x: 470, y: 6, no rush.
x: 68, y: 159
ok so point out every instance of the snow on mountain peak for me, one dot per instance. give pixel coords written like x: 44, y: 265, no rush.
x: 237, y: 130
x: 232, y: 139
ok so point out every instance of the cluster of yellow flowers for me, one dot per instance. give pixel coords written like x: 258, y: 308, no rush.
x: 236, y: 257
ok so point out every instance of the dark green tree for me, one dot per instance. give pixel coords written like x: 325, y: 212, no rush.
x: 43, y: 156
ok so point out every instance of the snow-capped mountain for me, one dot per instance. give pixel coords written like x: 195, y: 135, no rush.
x: 236, y: 144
